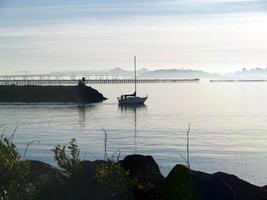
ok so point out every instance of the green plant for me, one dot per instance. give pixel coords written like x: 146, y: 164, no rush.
x: 112, y: 174
x: 13, y: 171
x: 68, y: 161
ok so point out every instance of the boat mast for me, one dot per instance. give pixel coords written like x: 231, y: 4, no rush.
x: 135, y: 74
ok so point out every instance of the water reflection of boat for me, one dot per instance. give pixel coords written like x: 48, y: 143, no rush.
x: 132, y: 99
x: 133, y: 109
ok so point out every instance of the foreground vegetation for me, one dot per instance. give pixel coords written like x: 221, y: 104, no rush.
x: 16, y: 182
x: 13, y: 171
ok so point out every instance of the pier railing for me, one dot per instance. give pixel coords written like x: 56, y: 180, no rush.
x: 89, y: 81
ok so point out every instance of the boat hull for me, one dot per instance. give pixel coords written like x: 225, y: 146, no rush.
x: 132, y: 101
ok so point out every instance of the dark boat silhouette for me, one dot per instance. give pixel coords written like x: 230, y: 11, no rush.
x: 132, y: 99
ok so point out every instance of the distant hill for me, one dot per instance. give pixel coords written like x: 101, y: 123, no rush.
x: 165, y: 73
x: 118, y: 70
x: 254, y: 73
x: 121, y: 71
x: 141, y: 73
x: 244, y: 74
x: 178, y: 73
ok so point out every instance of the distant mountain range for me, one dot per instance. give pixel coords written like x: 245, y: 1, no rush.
x: 249, y: 74
x: 254, y: 73
x: 177, y: 73
x: 121, y: 71
x: 165, y: 73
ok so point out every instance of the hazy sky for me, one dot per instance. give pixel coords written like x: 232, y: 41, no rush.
x: 212, y: 35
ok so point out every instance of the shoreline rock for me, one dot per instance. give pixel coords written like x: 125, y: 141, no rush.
x: 143, y: 181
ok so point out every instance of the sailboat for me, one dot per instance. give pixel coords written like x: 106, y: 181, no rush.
x: 132, y: 99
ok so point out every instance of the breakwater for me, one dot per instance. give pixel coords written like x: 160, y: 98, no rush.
x: 37, y: 93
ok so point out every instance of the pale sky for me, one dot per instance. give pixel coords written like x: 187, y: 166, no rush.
x: 210, y: 35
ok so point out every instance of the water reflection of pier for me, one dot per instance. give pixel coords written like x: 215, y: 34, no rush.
x: 82, y: 110
x: 82, y: 114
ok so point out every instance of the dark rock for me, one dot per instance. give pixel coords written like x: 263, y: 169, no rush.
x: 146, y: 174
x: 39, y: 169
x: 143, y: 168
x: 84, y: 185
x: 241, y: 189
x: 206, y: 186
x: 144, y: 182
x: 44, y: 180
x: 182, y: 183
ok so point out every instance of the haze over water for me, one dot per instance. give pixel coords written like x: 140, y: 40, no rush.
x: 228, y: 126
x: 211, y: 35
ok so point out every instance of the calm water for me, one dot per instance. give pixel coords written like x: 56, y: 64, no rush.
x: 228, y: 126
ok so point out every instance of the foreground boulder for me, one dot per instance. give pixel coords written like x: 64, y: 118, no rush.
x: 86, y: 184
x: 143, y: 168
x: 145, y: 173
x: 136, y: 177
x: 240, y: 188
x: 182, y: 183
x: 45, y: 181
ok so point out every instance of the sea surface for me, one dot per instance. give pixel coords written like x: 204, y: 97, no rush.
x: 228, y: 126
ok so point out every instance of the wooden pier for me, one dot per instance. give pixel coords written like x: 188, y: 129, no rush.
x: 88, y: 81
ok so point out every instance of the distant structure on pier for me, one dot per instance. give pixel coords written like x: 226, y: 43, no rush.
x: 90, y: 81
x: 71, y: 75
x: 116, y: 76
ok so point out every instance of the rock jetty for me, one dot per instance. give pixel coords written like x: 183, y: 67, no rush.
x: 34, y: 93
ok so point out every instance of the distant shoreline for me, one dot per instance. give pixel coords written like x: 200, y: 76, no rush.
x: 239, y: 80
